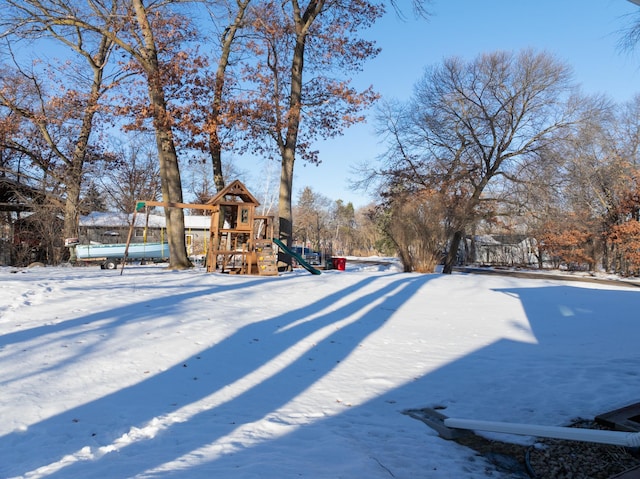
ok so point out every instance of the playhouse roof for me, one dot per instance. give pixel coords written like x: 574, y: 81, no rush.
x: 236, y: 192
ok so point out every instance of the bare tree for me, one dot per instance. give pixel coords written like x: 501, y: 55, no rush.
x: 631, y: 35
x: 343, y: 226
x: 471, y: 128
x: 144, y: 49
x: 312, y: 218
x: 132, y: 176
x: 411, y: 222
x: 143, y: 34
x: 285, y: 113
x: 65, y: 120
x: 207, y: 120
x: 367, y: 240
x: 215, y: 118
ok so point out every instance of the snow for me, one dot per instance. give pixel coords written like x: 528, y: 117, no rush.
x: 164, y: 374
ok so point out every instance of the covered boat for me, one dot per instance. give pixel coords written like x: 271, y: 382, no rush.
x: 112, y: 252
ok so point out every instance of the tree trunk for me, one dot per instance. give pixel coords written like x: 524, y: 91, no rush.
x: 167, y: 156
x: 71, y: 213
x: 73, y: 178
x: 285, y: 211
x: 288, y: 149
x: 215, y: 148
x: 539, y: 255
x: 172, y: 193
x: 452, y: 254
x: 73, y: 175
x: 73, y: 188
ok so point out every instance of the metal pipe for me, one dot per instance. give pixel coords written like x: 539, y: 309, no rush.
x: 617, y: 438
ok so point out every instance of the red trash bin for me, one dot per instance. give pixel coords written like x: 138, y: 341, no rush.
x: 340, y: 263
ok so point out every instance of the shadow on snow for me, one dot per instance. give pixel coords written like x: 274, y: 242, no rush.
x: 202, y: 375
x: 562, y: 319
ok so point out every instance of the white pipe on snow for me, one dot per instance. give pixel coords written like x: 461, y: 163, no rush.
x: 617, y: 438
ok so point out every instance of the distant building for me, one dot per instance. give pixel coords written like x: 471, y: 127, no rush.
x: 502, y: 250
x: 24, y: 235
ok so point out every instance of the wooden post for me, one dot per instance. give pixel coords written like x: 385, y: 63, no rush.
x: 126, y: 248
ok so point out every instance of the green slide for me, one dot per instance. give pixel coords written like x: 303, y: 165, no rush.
x: 298, y: 258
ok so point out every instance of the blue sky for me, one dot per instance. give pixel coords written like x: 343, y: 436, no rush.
x: 584, y: 33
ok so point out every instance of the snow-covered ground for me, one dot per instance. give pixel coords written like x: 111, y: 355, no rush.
x: 164, y: 374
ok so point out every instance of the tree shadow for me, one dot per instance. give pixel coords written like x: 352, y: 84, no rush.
x: 582, y: 340
x: 589, y: 336
x: 105, y: 323
x: 167, y: 405
x: 114, y: 317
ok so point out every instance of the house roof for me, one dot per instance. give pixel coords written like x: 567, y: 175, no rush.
x: 16, y: 196
x: 122, y: 220
x: 500, y: 239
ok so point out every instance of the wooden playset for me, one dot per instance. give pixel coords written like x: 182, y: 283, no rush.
x: 240, y: 241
